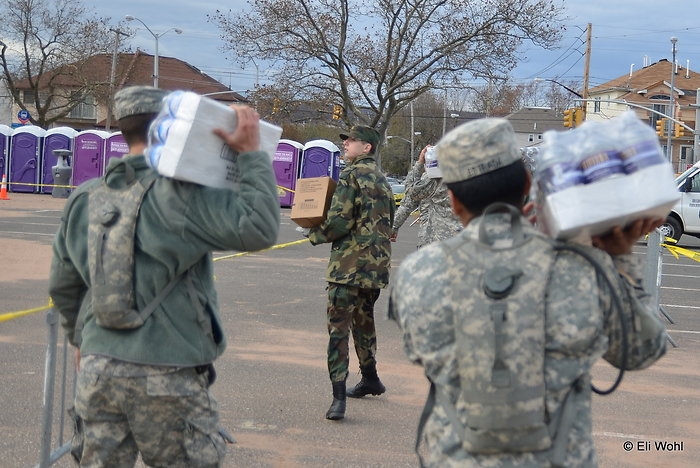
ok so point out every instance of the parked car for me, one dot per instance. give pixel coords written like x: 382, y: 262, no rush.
x: 399, y: 190
x: 684, y: 218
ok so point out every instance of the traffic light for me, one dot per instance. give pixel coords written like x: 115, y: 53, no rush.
x: 337, y: 112
x: 661, y: 127
x: 570, y: 118
x: 678, y: 130
x: 579, y: 115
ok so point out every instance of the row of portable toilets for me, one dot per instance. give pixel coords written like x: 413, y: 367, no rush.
x: 27, y: 155
x: 28, y: 160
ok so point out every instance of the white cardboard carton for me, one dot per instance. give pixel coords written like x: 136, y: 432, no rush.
x: 593, y: 209
x: 183, y: 145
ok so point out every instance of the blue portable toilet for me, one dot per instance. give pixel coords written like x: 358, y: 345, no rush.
x: 321, y: 158
x: 88, y: 155
x: 25, y: 159
x: 285, y: 163
x: 5, y: 133
x: 55, y: 138
x: 115, y: 147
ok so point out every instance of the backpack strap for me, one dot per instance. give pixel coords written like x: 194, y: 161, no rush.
x: 427, y: 410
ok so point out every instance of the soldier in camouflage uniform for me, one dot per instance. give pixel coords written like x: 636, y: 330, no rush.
x: 429, y: 195
x: 359, y: 226
x: 146, y: 389
x: 436, y: 303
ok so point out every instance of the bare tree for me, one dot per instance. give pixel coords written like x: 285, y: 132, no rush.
x: 373, y: 58
x: 43, y: 45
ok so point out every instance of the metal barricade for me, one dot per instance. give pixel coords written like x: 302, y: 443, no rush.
x: 48, y: 457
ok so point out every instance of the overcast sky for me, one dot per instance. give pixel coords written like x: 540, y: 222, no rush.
x: 625, y: 34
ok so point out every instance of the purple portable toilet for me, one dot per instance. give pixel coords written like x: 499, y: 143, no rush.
x: 25, y: 154
x: 115, y: 147
x: 55, y: 138
x: 321, y: 158
x: 286, y: 166
x: 88, y: 155
x: 5, y: 133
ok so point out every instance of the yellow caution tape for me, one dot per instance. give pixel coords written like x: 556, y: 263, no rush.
x: 274, y: 247
x: 13, y: 315
x: 677, y: 251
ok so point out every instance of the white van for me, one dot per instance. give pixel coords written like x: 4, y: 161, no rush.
x: 684, y: 217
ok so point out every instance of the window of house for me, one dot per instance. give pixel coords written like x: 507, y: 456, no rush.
x: 687, y: 157
x: 596, y: 105
x: 28, y: 96
x: 658, y: 107
x: 531, y: 138
x: 84, y: 110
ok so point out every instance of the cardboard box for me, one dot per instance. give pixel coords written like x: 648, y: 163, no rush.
x: 312, y: 198
x: 182, y: 144
x: 593, y: 209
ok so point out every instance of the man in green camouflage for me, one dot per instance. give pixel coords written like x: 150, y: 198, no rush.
x: 359, y: 226
x: 144, y: 389
x: 508, y: 347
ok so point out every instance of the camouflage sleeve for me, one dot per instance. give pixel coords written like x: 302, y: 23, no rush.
x: 408, y: 205
x: 66, y: 286
x: 645, y: 333
x: 414, y: 175
x: 420, y: 304
x: 341, y: 215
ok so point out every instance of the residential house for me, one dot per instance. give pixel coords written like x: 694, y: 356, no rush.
x: 130, y: 69
x: 648, y: 92
x: 530, y: 123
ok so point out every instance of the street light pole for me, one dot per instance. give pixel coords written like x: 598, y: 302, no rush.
x: 413, y: 132
x: 156, y: 37
x: 672, y: 111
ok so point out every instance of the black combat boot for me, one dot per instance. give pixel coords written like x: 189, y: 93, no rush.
x: 370, y: 384
x: 337, y: 409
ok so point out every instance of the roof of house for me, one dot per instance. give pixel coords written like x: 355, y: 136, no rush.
x: 137, y: 69
x: 635, y: 84
x: 535, y: 120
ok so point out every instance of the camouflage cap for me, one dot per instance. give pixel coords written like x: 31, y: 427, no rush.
x: 362, y: 133
x: 136, y: 100
x: 476, y: 148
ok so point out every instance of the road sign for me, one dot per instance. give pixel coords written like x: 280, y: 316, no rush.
x: 23, y: 116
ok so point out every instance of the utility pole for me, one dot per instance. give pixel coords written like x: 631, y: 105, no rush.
x: 586, y: 69
x: 117, y: 33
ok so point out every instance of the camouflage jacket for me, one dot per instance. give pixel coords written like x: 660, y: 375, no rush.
x: 437, y: 222
x: 581, y: 325
x: 178, y: 226
x: 359, y: 226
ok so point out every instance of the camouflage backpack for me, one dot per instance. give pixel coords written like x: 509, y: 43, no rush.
x: 112, y: 226
x: 501, y: 342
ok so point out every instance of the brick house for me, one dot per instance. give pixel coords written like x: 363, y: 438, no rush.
x: 130, y: 69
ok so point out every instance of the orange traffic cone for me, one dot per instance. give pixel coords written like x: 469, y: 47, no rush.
x: 3, y: 188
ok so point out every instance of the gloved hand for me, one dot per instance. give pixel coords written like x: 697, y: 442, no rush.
x: 304, y: 231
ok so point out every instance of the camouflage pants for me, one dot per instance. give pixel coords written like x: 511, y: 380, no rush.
x: 350, y: 309
x: 170, y: 418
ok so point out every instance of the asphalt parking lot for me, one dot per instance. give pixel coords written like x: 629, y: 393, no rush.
x: 273, y: 388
